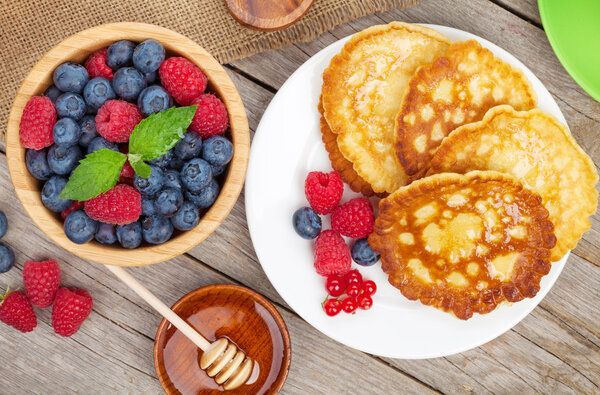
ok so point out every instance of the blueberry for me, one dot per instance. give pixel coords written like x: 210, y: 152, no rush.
x: 176, y: 163
x: 130, y: 235
x: 50, y: 192
x: 53, y: 93
x: 88, y: 130
x: 148, y: 55
x: 106, y: 234
x: 80, y: 228
x: 128, y: 83
x: 189, y: 146
x: 217, y: 150
x: 70, y: 77
x: 172, y: 179
x: 7, y: 258
x: 66, y: 132
x: 206, y: 197
x: 99, y: 143
x: 63, y: 160
x: 151, y: 185
x: 363, y: 254
x: 148, y: 206
x: 156, y: 229
x: 37, y: 164
x: 119, y: 54
x: 154, y: 99
x: 196, y: 175
x: 217, y: 170
x: 187, y: 217
x: 97, y: 91
x: 307, y: 223
x: 162, y: 161
x: 150, y: 77
x: 70, y: 105
x: 168, y: 202
x: 3, y: 224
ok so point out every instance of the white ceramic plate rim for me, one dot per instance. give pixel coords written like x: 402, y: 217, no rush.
x: 271, y: 184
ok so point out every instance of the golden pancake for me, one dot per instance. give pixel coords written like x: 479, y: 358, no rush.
x: 540, y: 151
x: 464, y: 243
x: 362, y: 90
x: 456, y: 89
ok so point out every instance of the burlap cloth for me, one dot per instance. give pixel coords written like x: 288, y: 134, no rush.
x: 29, y: 28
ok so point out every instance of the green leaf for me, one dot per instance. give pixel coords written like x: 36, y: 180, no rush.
x: 156, y: 135
x: 140, y: 167
x: 97, y: 173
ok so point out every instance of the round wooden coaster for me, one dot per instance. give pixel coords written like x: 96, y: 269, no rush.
x: 268, y: 15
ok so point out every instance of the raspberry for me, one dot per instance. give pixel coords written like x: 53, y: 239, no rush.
x: 74, y: 206
x: 16, y: 311
x: 127, y: 171
x: 41, y: 280
x: 121, y: 205
x: 353, y: 218
x: 323, y: 191
x: 71, y: 308
x: 37, y: 122
x: 116, y: 119
x: 332, y: 255
x: 96, y: 65
x: 211, y: 117
x: 183, y: 79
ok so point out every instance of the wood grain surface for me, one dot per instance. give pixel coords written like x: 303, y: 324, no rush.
x: 555, y: 349
x: 268, y: 15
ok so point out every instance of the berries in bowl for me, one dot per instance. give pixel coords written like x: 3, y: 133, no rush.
x: 127, y: 144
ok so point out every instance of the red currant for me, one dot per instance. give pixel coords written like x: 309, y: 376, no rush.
x: 369, y: 287
x: 335, y: 285
x: 353, y: 276
x: 353, y: 289
x: 332, y: 307
x: 349, y: 305
x: 364, y: 301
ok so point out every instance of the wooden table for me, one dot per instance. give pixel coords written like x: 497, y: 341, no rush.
x: 556, y: 349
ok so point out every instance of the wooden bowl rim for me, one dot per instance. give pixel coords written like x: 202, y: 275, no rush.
x: 76, y: 48
x: 285, y: 334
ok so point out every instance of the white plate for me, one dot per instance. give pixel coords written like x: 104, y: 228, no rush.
x: 287, y: 145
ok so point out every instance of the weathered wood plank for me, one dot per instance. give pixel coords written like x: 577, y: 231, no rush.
x: 527, y: 9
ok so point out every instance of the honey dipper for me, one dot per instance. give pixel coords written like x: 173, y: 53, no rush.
x: 221, y: 359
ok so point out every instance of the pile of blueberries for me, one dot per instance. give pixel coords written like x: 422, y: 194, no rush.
x: 7, y: 255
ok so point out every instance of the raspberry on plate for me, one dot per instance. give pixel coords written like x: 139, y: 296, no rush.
x: 323, y: 191
x: 183, y: 79
x: 332, y: 255
x: 16, y: 311
x: 211, y: 116
x: 353, y: 218
x: 120, y: 205
x: 116, y: 119
x: 41, y: 281
x: 37, y: 122
x: 71, y: 308
x: 97, y: 67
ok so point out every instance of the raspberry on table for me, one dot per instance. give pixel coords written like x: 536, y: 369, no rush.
x: 116, y: 119
x: 332, y: 255
x: 37, y: 122
x: 120, y: 205
x: 16, y: 311
x: 71, y: 308
x: 211, y: 116
x: 41, y: 281
x: 353, y: 219
x: 323, y: 191
x: 96, y: 65
x: 182, y: 79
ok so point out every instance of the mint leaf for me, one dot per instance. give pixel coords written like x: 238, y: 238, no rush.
x: 97, y: 173
x: 156, y: 135
x: 140, y: 167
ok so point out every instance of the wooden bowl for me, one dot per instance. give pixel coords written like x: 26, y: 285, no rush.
x: 241, y: 315
x: 77, y: 48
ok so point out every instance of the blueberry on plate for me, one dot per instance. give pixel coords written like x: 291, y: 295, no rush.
x: 168, y: 202
x: 162, y: 161
x: 53, y: 93
x: 148, y: 206
x: 88, y: 130
x: 99, y: 143
x: 148, y: 56
x: 196, y: 175
x: 70, y: 77
x: 151, y: 185
x: 363, y: 254
x: 128, y: 82
x: 106, y: 234
x: 206, y: 197
x: 130, y: 235
x: 307, y: 223
x: 189, y: 146
x: 172, y: 179
x: 70, y: 105
x: 50, y: 192
x: 119, y: 54
x: 3, y: 224
x: 80, y: 228
x: 97, y: 91
x: 7, y: 258
x: 37, y: 164
x: 187, y: 217
x: 63, y: 160
x: 154, y: 99
x: 66, y: 132
x: 156, y: 229
x: 217, y: 150
x: 176, y: 163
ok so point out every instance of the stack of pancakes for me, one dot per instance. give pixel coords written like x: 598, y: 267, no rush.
x: 481, y: 191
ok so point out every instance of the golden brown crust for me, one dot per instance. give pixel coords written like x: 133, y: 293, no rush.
x: 464, y: 243
x: 454, y: 90
x: 540, y: 151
